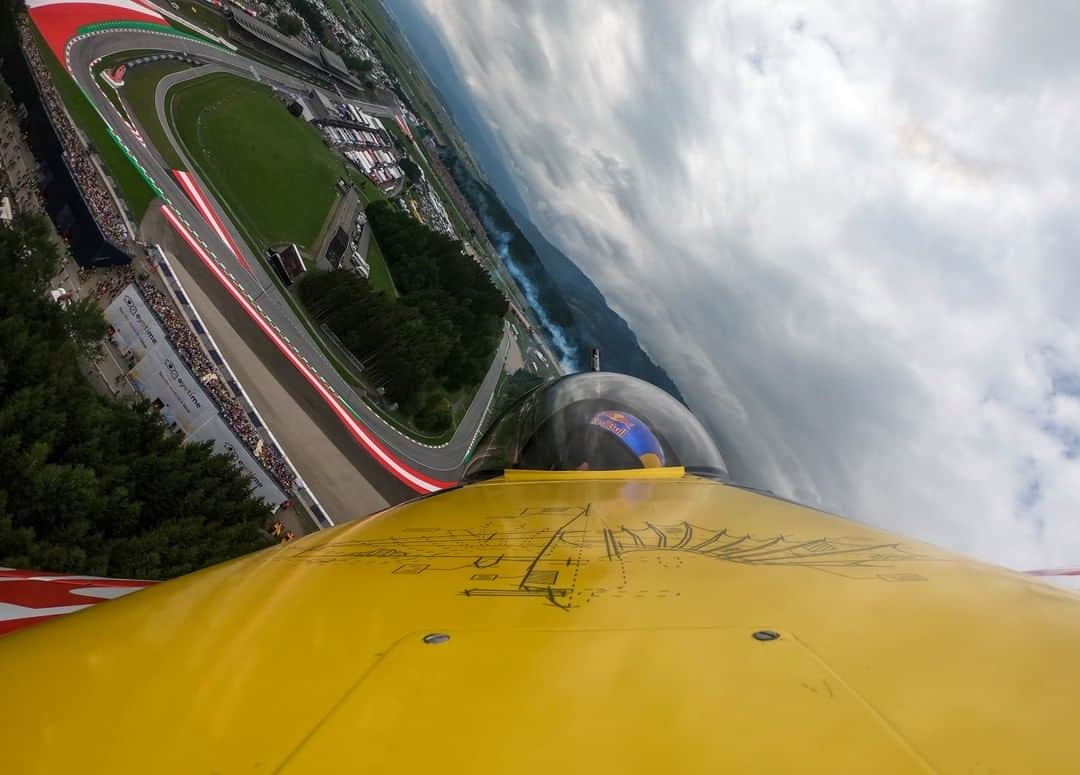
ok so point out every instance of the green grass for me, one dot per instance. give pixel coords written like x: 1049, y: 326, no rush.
x: 220, y: 87
x: 135, y: 191
x: 394, y: 51
x: 368, y: 190
x: 112, y: 60
x: 275, y: 177
x: 278, y: 63
x: 140, y: 84
x: 209, y: 20
x: 385, y: 39
x: 338, y: 7
x: 273, y: 169
x: 379, y: 278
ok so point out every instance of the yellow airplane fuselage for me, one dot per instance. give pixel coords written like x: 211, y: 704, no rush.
x: 591, y: 623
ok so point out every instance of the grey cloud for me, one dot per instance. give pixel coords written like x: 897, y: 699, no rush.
x: 853, y: 258
x: 618, y: 179
x: 835, y: 49
x: 662, y: 88
x: 531, y: 63
x: 542, y: 142
x: 1066, y: 383
x: 1027, y: 46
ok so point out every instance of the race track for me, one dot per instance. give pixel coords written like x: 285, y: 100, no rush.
x: 433, y: 466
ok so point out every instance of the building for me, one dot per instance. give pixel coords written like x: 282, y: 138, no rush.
x: 287, y: 262
x: 317, y: 58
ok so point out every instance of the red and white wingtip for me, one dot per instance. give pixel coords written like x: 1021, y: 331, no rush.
x: 29, y: 597
x: 1054, y: 572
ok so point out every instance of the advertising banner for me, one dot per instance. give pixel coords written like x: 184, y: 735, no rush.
x: 136, y: 329
x: 161, y: 377
x: 225, y: 442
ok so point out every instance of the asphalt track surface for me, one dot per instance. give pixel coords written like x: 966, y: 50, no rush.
x: 442, y: 463
x: 340, y: 493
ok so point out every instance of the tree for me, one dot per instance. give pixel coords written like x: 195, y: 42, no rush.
x: 517, y: 386
x: 434, y: 418
x: 289, y: 24
x: 30, y: 253
x: 438, y: 337
x: 86, y: 327
x: 325, y: 33
x: 358, y: 65
x: 309, y: 13
x: 411, y: 169
x: 88, y: 484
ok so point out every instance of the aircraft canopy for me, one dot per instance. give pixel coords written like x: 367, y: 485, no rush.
x: 596, y: 421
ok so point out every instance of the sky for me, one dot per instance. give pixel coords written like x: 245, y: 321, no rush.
x: 848, y: 231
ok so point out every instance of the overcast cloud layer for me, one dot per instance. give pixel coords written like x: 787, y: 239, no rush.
x: 850, y: 235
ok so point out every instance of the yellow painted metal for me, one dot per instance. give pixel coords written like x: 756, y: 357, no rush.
x: 661, y: 472
x: 593, y: 625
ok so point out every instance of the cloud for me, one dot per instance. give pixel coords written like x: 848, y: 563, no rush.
x: 848, y: 234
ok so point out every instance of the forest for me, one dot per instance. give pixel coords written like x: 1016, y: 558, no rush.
x: 508, y: 236
x: 89, y: 484
x: 437, y: 338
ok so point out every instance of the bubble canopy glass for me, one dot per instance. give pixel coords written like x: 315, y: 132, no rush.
x: 596, y: 421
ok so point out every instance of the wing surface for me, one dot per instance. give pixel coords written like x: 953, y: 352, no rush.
x: 591, y: 624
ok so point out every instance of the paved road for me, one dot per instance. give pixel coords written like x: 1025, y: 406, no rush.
x: 442, y: 462
x: 347, y: 481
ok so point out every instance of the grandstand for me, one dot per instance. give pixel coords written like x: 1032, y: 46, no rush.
x: 318, y: 58
x: 338, y: 113
x: 160, y: 354
x: 77, y: 196
x: 333, y: 62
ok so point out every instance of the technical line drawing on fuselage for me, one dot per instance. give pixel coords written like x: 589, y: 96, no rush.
x: 536, y: 559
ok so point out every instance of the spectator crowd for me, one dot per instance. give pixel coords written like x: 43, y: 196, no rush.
x: 17, y: 173
x: 187, y: 345
x: 105, y: 212
x: 18, y: 168
x: 86, y: 176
